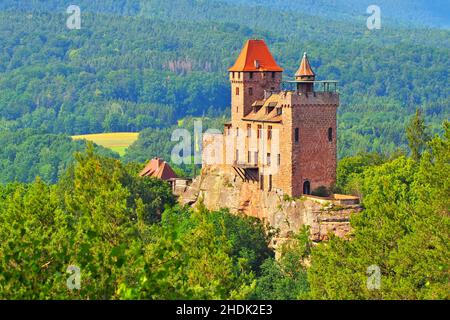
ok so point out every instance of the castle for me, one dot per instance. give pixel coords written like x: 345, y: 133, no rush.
x: 283, y: 140
x: 278, y: 151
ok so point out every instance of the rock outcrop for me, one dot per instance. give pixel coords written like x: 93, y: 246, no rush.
x: 220, y: 187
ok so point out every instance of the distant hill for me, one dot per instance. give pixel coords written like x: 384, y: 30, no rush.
x: 414, y: 12
x: 143, y: 65
x: 407, y: 12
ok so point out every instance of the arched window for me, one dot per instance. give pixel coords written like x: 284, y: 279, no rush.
x: 306, y: 187
x: 330, y: 134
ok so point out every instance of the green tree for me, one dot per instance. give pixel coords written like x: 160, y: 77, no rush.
x: 417, y: 136
x: 404, y: 230
x: 286, y: 277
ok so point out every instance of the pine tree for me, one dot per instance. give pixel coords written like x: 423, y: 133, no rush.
x: 417, y: 136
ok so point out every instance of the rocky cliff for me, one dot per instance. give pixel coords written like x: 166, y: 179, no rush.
x: 220, y: 187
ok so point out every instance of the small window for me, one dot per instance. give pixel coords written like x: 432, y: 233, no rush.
x: 270, y: 183
x: 256, y: 157
x: 259, y: 131
x: 279, y: 111
x: 261, y: 182
x: 250, y: 91
x: 237, y: 132
x: 306, y: 187
x: 330, y: 134
x: 296, y: 135
x: 237, y: 155
x: 237, y: 91
x: 249, y: 130
x: 251, y: 75
x: 268, y: 159
x: 232, y: 74
x: 249, y: 157
x: 269, y: 133
x: 279, y: 159
x: 273, y: 75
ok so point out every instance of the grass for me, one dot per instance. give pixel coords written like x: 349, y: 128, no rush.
x: 117, y: 141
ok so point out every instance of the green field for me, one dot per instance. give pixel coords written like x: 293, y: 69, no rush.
x: 116, y: 141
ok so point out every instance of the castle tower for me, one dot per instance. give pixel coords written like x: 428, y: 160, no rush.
x: 254, y: 73
x: 281, y: 141
x: 314, y: 151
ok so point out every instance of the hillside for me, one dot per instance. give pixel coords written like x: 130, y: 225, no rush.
x: 144, y: 65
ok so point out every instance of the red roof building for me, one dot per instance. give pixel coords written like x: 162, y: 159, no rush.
x: 158, y: 168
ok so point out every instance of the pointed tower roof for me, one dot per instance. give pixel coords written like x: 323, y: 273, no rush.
x: 255, y: 56
x: 305, y: 69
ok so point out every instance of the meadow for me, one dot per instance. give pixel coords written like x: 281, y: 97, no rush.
x: 116, y: 141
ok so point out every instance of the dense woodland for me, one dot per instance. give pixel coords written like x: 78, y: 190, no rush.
x: 155, y: 66
x: 131, y: 241
x: 144, y: 65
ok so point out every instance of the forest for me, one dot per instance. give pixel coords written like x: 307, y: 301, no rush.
x: 142, y: 66
x: 130, y: 240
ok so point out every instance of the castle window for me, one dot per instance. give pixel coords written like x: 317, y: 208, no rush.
x: 250, y: 91
x: 273, y: 75
x: 269, y: 133
x: 256, y: 157
x: 249, y: 130
x: 259, y: 131
x: 279, y: 159
x: 237, y: 91
x: 237, y: 155
x: 270, y: 183
x: 232, y: 74
x: 251, y: 75
x: 261, y: 182
x: 237, y: 132
x: 330, y: 134
x: 249, y: 157
x: 279, y: 111
x: 306, y: 187
x: 268, y: 159
x: 296, y: 135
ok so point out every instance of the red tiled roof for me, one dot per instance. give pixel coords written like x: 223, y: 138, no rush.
x: 305, y: 68
x: 157, y: 168
x: 255, y: 56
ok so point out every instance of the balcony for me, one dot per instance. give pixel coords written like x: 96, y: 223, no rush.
x: 246, y: 171
x: 245, y: 165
